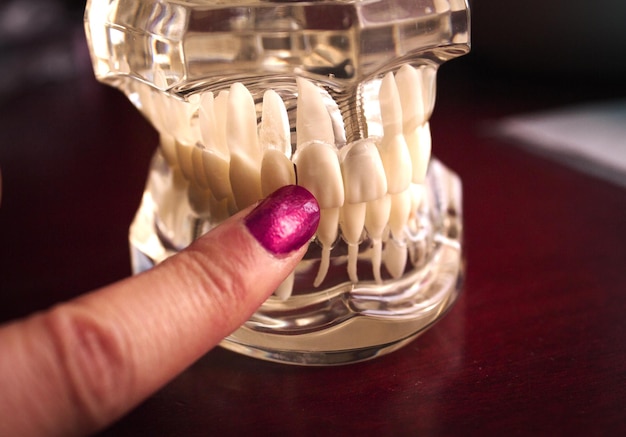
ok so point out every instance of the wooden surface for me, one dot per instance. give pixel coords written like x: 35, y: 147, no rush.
x: 536, y: 345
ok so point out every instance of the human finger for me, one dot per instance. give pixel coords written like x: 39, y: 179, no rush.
x: 81, y: 365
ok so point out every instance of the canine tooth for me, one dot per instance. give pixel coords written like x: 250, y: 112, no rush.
x: 274, y: 132
x: 245, y: 153
x: 352, y: 221
x: 326, y: 235
x: 409, y: 82
x: 416, y: 130
x: 363, y: 173
x: 393, y: 149
x: 376, y: 219
x: 313, y: 123
x: 276, y: 171
x: 395, y: 257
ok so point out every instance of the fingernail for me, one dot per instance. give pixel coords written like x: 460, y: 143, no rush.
x: 285, y: 220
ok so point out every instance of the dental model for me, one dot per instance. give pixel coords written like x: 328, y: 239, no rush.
x: 368, y: 189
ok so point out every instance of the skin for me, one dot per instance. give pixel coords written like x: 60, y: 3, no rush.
x: 79, y: 366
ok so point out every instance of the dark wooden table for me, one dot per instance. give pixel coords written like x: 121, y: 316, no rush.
x: 536, y: 345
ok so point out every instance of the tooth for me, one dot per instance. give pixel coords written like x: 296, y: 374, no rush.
x: 395, y: 257
x: 276, y: 171
x: 400, y: 212
x: 275, y: 139
x: 376, y: 219
x: 415, y: 108
x: 313, y: 122
x: 393, y: 149
x: 364, y: 177
x: 198, y: 167
x: 242, y: 140
x: 317, y: 166
x: 318, y: 170
x: 183, y: 156
x: 215, y: 156
x: 364, y: 181
x: 352, y: 222
x: 274, y: 132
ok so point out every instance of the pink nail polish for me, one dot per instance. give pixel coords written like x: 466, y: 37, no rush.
x: 285, y: 220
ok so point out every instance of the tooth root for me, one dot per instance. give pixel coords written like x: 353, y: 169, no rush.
x: 242, y: 141
x: 400, y: 212
x: 376, y: 219
x: 364, y: 177
x: 217, y: 173
x: 326, y: 235
x: 274, y: 132
x: 313, y: 122
x: 284, y: 290
x: 394, y: 152
x: 352, y: 221
x: 395, y: 258
x: 276, y: 171
x: 318, y: 170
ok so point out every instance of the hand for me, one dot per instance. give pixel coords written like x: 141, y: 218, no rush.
x: 83, y: 364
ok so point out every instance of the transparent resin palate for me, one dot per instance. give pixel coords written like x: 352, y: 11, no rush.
x: 335, y: 96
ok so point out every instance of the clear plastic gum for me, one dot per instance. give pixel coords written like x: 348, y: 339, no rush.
x: 333, y: 95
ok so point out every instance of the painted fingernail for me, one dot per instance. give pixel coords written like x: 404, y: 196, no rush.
x: 285, y: 220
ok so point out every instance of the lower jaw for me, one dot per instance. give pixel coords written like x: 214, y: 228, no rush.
x: 340, y: 321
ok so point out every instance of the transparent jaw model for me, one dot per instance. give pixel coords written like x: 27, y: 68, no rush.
x: 248, y: 96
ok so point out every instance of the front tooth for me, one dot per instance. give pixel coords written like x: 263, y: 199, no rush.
x: 245, y: 153
x: 275, y: 139
x: 364, y: 181
x: 276, y: 171
x: 364, y: 177
x: 393, y: 149
x: 313, y: 122
x: 274, y: 132
x: 318, y: 171
x: 415, y: 109
x: 168, y: 148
